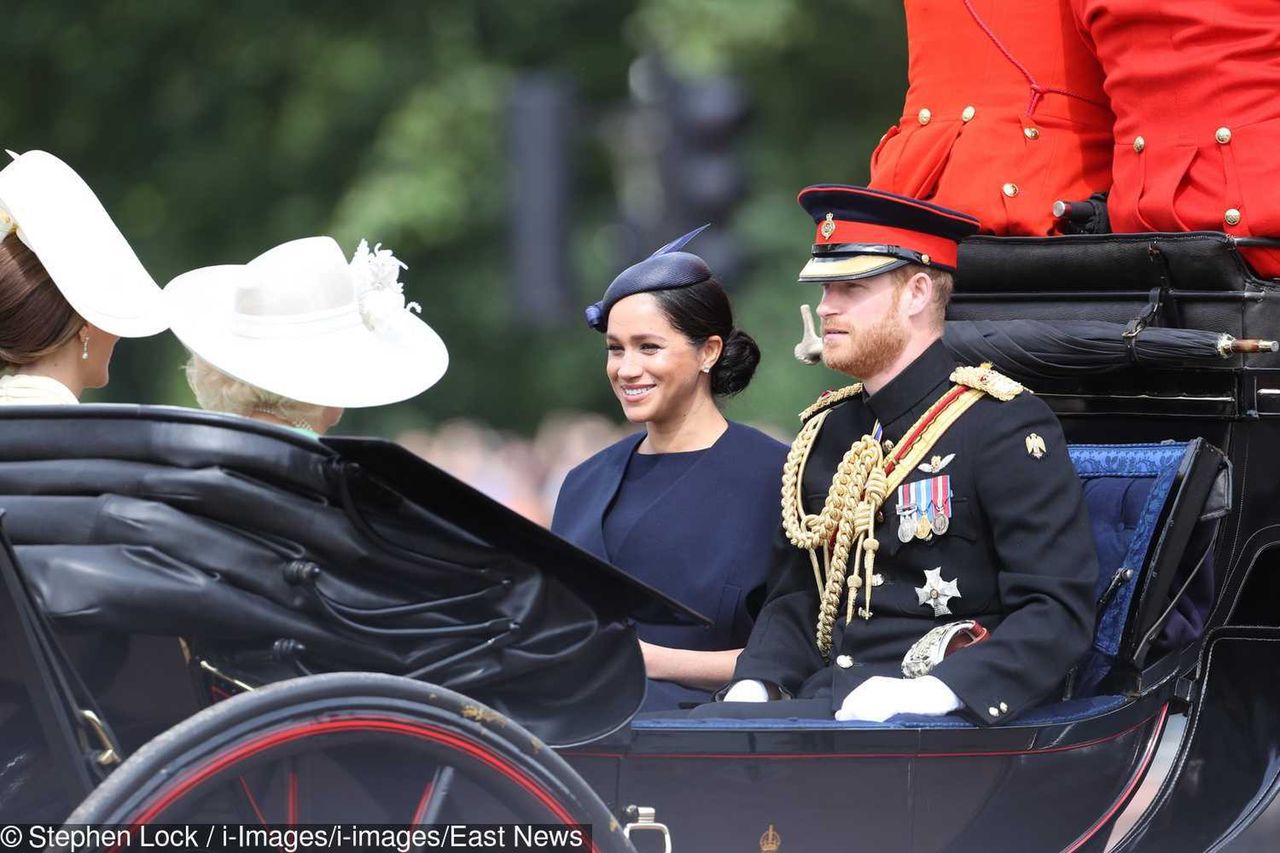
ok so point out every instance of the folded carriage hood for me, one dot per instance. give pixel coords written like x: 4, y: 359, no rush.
x: 274, y: 554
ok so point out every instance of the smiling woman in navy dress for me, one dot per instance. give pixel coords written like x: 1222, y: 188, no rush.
x: 690, y: 504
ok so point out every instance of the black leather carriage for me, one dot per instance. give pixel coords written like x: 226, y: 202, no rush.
x: 116, y: 509
x: 180, y: 557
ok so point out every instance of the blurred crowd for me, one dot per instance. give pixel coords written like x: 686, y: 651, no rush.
x: 522, y: 473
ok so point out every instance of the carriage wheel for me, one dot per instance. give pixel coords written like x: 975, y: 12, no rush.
x: 349, y: 748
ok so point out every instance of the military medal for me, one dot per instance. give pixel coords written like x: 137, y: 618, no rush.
x: 924, y: 507
x: 936, y: 592
x: 906, y: 526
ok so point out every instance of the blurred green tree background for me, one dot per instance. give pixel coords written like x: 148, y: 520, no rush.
x: 215, y: 132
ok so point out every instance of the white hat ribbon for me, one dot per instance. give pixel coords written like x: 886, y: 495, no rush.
x: 379, y: 291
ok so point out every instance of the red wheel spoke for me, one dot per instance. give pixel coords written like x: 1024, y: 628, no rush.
x: 433, y: 797
x: 253, y: 803
x: 293, y: 795
x: 423, y: 802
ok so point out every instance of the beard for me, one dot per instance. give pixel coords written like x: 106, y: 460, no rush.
x: 870, y: 352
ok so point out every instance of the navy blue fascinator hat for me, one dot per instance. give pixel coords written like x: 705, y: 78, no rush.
x: 665, y: 269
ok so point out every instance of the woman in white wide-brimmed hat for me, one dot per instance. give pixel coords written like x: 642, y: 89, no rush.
x: 298, y: 334
x: 70, y: 285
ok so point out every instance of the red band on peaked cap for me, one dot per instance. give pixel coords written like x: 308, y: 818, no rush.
x: 940, y: 250
x: 862, y: 215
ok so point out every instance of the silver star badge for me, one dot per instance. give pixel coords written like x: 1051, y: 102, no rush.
x: 936, y: 592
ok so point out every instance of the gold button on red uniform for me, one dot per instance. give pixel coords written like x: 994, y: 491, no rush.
x: 1212, y: 121
x: 1031, y: 69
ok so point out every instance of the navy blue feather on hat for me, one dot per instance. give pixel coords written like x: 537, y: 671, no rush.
x: 665, y: 269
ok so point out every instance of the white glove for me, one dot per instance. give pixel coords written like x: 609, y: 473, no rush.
x: 879, y: 698
x: 747, y: 690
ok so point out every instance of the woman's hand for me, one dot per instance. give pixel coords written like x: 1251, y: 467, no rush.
x: 696, y: 669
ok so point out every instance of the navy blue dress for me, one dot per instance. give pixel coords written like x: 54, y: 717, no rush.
x: 697, y: 526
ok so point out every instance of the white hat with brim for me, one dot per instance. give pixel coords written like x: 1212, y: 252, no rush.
x: 62, y: 222
x: 290, y: 322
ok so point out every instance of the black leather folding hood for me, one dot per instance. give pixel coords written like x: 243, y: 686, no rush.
x: 273, y: 554
x: 1193, y: 280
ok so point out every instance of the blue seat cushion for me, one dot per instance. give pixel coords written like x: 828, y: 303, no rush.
x: 1125, y: 488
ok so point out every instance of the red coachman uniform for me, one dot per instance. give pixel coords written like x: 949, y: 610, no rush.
x: 1005, y: 113
x: 1195, y: 86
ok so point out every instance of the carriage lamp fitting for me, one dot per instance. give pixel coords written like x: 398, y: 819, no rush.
x: 642, y: 818
x: 108, y: 755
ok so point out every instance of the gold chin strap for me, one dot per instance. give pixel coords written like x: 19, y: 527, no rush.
x: 862, y: 481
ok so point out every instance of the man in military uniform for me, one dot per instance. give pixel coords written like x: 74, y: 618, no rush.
x: 936, y: 555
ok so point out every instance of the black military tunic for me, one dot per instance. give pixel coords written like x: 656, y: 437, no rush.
x: 1018, y: 549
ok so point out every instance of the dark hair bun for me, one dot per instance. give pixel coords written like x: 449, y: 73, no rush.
x: 701, y: 310
x: 736, y: 365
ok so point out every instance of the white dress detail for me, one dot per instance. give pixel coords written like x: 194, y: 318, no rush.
x: 25, y: 389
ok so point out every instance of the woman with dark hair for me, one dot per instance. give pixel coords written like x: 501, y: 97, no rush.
x: 70, y: 286
x: 689, y: 505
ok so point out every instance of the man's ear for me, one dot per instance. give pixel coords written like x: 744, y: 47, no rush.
x: 919, y: 293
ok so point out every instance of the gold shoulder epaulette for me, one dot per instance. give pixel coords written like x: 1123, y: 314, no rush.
x: 830, y: 398
x: 988, y: 380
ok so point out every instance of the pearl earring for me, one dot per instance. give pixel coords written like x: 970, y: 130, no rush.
x: 706, y: 369
x: 84, y: 353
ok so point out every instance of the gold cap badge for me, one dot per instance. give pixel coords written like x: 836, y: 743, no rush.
x: 771, y: 841
x: 828, y: 226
